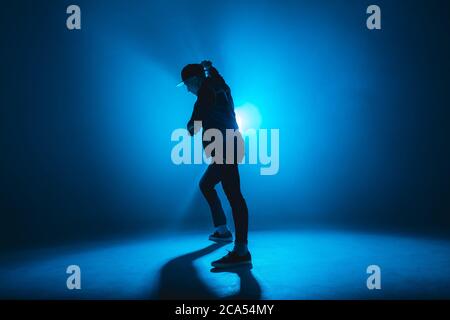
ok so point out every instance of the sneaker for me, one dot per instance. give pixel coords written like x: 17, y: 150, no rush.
x: 232, y: 259
x: 221, y: 237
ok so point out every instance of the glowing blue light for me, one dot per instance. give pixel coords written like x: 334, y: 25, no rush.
x: 248, y: 117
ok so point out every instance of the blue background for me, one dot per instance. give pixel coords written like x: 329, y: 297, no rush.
x: 86, y: 116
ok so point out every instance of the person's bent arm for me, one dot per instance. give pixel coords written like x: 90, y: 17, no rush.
x: 205, y: 101
x: 195, y: 117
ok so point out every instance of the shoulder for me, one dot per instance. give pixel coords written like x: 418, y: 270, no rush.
x: 206, y: 91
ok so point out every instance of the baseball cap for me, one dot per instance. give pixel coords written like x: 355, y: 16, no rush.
x: 190, y: 71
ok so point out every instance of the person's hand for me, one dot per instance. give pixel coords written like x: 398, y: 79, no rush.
x: 206, y: 64
x: 190, y: 128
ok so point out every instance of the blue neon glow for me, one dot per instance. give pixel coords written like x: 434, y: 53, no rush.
x: 248, y: 117
x: 87, y: 131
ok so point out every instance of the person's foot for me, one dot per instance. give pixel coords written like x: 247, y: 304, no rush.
x: 232, y: 259
x: 221, y: 237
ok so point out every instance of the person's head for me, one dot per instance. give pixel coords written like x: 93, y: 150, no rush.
x: 193, y: 76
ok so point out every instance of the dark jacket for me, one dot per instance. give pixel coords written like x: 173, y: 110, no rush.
x: 214, y: 106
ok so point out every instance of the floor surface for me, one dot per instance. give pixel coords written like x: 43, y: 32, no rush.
x: 286, y: 265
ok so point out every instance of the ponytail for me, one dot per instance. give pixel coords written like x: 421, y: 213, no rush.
x: 210, y: 71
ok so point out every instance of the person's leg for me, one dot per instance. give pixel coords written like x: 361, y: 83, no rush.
x: 240, y: 254
x: 232, y: 187
x: 211, y: 177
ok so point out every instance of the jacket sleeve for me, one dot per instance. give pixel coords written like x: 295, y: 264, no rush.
x: 194, y: 117
x: 205, y: 102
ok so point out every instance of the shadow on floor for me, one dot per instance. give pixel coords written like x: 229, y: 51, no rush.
x: 179, y: 279
x: 249, y: 286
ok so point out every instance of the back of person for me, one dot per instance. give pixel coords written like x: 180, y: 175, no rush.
x: 217, y: 112
x: 218, y: 108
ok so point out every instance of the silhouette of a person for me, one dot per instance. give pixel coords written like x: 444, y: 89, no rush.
x: 215, y: 109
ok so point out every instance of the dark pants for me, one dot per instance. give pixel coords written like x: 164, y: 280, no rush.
x: 228, y: 175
